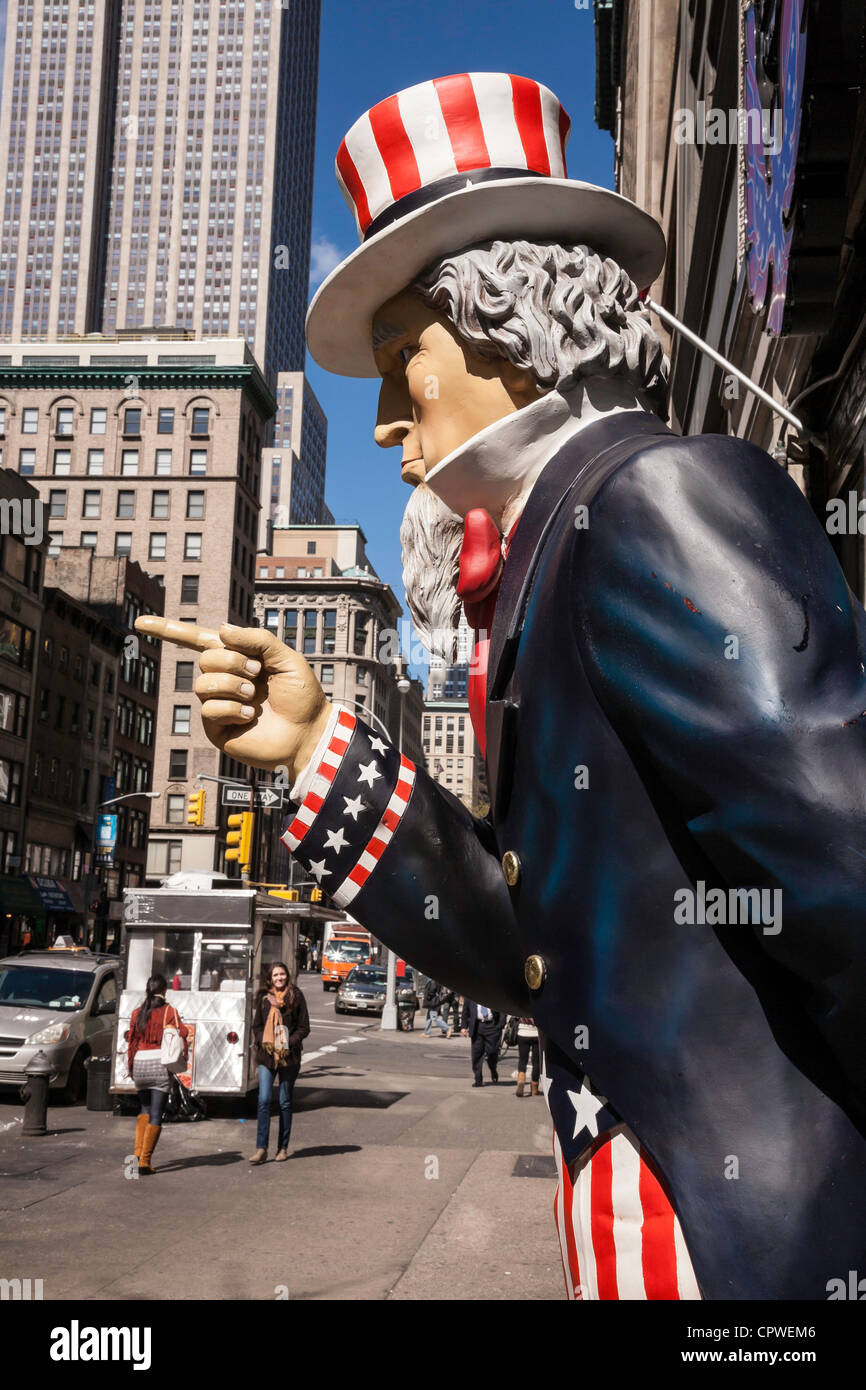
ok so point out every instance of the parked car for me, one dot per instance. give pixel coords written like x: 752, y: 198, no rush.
x: 61, y: 1002
x: 363, y: 989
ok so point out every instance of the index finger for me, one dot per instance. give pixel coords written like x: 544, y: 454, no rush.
x: 198, y: 639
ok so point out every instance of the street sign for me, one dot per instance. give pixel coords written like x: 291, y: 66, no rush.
x: 267, y: 798
x: 106, y: 839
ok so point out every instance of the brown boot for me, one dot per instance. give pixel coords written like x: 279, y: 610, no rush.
x: 140, y: 1127
x: 521, y: 1082
x: 151, y: 1139
x: 534, y: 1085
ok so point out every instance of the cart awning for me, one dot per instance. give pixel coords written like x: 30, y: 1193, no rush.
x: 18, y: 898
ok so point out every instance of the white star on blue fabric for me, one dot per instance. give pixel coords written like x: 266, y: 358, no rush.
x: 318, y: 870
x: 586, y: 1108
x: 379, y: 745
x: 353, y: 806
x: 336, y: 839
x: 369, y: 772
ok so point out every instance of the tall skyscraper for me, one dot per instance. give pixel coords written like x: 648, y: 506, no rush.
x: 156, y: 170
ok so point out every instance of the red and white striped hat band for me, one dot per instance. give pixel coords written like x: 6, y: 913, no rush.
x: 432, y: 139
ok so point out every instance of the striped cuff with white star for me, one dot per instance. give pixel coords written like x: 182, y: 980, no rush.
x: 353, y: 804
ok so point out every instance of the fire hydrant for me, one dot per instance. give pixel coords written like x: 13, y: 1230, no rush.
x: 35, y: 1094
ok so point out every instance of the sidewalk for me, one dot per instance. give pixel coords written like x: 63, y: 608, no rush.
x: 401, y: 1184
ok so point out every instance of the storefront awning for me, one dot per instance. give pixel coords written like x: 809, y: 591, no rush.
x: 53, y: 895
x: 75, y: 893
x: 18, y: 897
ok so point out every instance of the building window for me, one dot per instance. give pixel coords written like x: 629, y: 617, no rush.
x: 200, y: 420
x: 62, y: 463
x: 44, y: 705
x: 132, y: 421
x: 30, y: 420
x: 192, y: 545
x: 174, y: 808
x: 65, y: 421
x: 13, y: 713
x: 89, y: 540
x: 98, y: 419
x: 165, y: 420
x: 198, y: 462
x: 55, y: 542
x: 129, y: 463
x: 159, y: 505
x: 177, y: 763
x: 362, y: 675
x: 57, y: 502
x: 162, y: 465
x: 195, y: 505
x: 10, y: 782
x: 96, y: 462
x: 189, y: 588
x: 329, y: 634
x: 272, y: 620
x: 290, y: 626
x: 310, y: 617
x: 311, y: 547
x: 156, y: 550
x: 91, y: 505
x: 327, y: 677
x: 279, y: 572
x: 183, y: 675
x: 26, y: 461
x: 361, y: 628
x: 123, y: 543
x: 126, y: 503
x: 181, y: 719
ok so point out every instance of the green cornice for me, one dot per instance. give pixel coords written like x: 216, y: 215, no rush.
x: 241, y: 376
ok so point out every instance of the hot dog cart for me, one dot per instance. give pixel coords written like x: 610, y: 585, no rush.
x: 214, y: 946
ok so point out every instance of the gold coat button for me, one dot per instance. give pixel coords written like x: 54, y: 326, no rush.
x: 511, y: 867
x: 534, y: 972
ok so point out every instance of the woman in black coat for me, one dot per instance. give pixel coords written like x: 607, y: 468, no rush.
x: 280, y: 1024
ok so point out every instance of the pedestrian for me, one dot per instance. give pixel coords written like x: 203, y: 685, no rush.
x: 300, y: 958
x: 281, y: 1021
x: 449, y: 1010
x: 432, y: 1003
x: 315, y: 956
x: 527, y: 1048
x: 483, y: 1027
x: 145, y: 1066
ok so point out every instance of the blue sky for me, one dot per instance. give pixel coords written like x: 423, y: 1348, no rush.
x: 367, y: 52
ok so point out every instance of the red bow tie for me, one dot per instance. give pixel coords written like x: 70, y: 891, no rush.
x: 481, y: 565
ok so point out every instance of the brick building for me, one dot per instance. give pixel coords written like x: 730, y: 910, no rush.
x: 150, y: 450
x: 21, y: 578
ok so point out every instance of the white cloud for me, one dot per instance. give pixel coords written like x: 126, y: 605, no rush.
x: 324, y: 256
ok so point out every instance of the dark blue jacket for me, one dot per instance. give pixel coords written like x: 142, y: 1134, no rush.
x: 676, y: 698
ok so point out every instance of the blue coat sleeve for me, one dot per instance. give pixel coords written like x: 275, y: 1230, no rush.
x: 407, y: 860
x: 724, y: 645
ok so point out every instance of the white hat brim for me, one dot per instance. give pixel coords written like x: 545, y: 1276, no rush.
x: 340, y: 316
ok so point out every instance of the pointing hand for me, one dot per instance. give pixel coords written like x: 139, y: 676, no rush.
x: 260, y: 701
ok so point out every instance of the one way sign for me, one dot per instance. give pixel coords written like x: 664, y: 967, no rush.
x: 266, y: 798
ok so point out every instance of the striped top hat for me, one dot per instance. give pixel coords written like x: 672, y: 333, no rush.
x: 447, y: 164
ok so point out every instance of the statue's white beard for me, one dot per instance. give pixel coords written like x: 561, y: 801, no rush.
x: 431, y: 536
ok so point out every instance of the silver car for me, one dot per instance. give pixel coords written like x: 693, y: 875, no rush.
x: 61, y: 1002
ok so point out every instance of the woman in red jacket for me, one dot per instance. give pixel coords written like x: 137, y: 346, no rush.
x: 145, y: 1066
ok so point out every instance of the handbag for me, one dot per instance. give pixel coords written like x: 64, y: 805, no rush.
x: 172, y: 1052
x: 509, y: 1036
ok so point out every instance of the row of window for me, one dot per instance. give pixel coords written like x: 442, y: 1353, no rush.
x: 133, y: 418
x: 157, y: 546
x: 125, y: 500
x: 130, y: 463
x: 288, y: 623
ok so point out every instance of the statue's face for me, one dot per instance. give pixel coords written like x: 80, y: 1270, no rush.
x: 436, y: 391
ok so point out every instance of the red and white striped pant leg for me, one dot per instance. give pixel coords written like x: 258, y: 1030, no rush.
x: 619, y: 1235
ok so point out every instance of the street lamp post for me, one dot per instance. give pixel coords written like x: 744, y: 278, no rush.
x: 128, y: 796
x: 389, y: 1013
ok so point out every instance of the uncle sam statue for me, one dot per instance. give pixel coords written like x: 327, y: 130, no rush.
x: 670, y: 688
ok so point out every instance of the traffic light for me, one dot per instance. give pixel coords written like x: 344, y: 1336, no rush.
x: 195, y: 808
x: 240, y: 837
x: 316, y: 896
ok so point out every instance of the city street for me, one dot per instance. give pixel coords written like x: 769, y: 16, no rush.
x: 403, y: 1182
